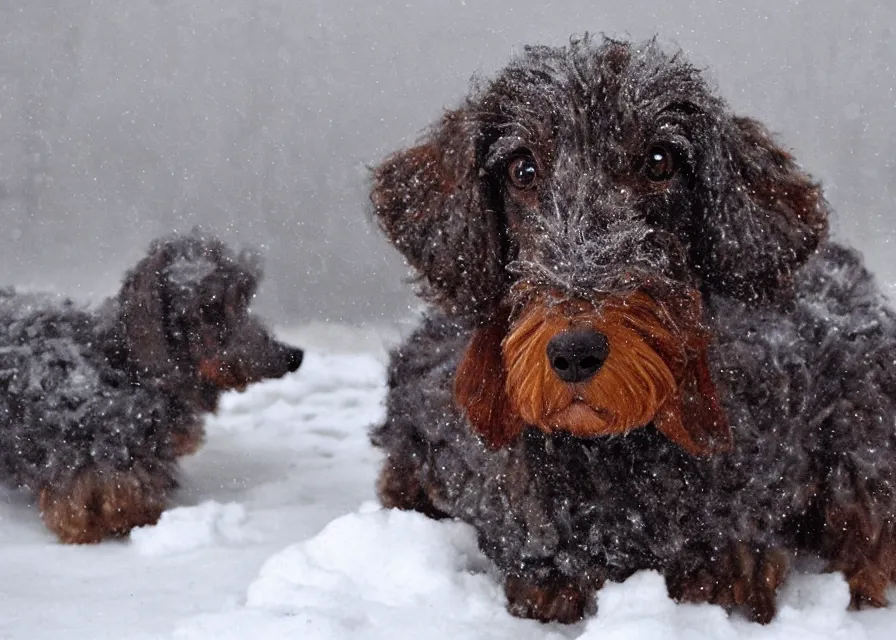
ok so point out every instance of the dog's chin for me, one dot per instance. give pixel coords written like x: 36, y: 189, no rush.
x: 582, y: 420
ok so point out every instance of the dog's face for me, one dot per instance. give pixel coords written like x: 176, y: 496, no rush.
x: 575, y: 209
x: 185, y: 308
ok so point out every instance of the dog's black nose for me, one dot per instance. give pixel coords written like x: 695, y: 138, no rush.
x: 294, y: 358
x: 578, y: 354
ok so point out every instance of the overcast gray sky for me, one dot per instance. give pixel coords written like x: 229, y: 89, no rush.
x: 257, y: 118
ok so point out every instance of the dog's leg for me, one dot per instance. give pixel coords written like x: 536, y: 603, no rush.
x: 98, y: 505
x: 186, y: 439
x: 743, y: 577
x: 400, y: 487
x: 551, y: 600
x: 864, y: 549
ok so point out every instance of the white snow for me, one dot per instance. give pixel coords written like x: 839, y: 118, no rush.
x: 276, y: 534
x: 187, y: 528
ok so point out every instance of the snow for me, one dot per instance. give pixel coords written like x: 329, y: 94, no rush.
x: 184, y: 529
x: 276, y: 534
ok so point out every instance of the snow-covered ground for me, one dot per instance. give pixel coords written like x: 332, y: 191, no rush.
x: 276, y: 535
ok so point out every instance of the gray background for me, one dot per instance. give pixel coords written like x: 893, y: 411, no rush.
x: 123, y: 119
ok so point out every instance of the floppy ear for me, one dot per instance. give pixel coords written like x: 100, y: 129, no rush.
x: 695, y: 419
x: 762, y: 216
x: 251, y: 265
x: 143, y: 311
x: 480, y: 388
x: 432, y: 203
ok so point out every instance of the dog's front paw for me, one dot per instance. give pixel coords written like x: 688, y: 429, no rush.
x: 743, y: 577
x: 99, y: 505
x: 863, y: 548
x: 552, y: 601
x: 867, y: 588
x: 187, y: 440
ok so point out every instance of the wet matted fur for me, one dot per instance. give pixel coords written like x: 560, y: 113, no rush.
x: 97, y: 404
x: 745, y: 408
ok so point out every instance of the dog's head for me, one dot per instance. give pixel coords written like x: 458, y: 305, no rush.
x: 575, y: 209
x: 185, y: 312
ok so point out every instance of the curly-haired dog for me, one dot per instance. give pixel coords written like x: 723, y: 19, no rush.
x: 96, y: 405
x: 643, y: 351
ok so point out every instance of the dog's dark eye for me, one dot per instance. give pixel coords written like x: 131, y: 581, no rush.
x: 522, y: 171
x: 660, y: 164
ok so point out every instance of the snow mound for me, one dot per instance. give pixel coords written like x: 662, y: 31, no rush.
x: 380, y: 574
x: 187, y: 528
x: 390, y: 558
x: 811, y: 607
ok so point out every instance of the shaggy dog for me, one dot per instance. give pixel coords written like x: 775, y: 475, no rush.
x: 96, y: 405
x: 642, y: 351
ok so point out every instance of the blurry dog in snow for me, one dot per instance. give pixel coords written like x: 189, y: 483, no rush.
x: 96, y: 405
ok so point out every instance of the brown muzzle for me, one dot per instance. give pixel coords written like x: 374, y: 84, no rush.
x: 595, y: 369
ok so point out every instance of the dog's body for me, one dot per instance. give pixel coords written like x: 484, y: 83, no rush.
x: 97, y: 404
x: 755, y: 361
x: 564, y: 510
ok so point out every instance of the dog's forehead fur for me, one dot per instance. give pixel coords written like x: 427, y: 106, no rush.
x: 588, y: 114
x: 199, y: 269
x: 598, y: 102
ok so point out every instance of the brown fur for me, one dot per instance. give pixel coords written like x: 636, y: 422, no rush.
x: 223, y: 375
x: 99, y: 505
x: 743, y: 577
x: 656, y: 371
x: 628, y: 391
x: 560, y: 602
x: 442, y: 170
x: 791, y: 195
x: 480, y: 387
x: 864, y: 549
x: 187, y: 439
